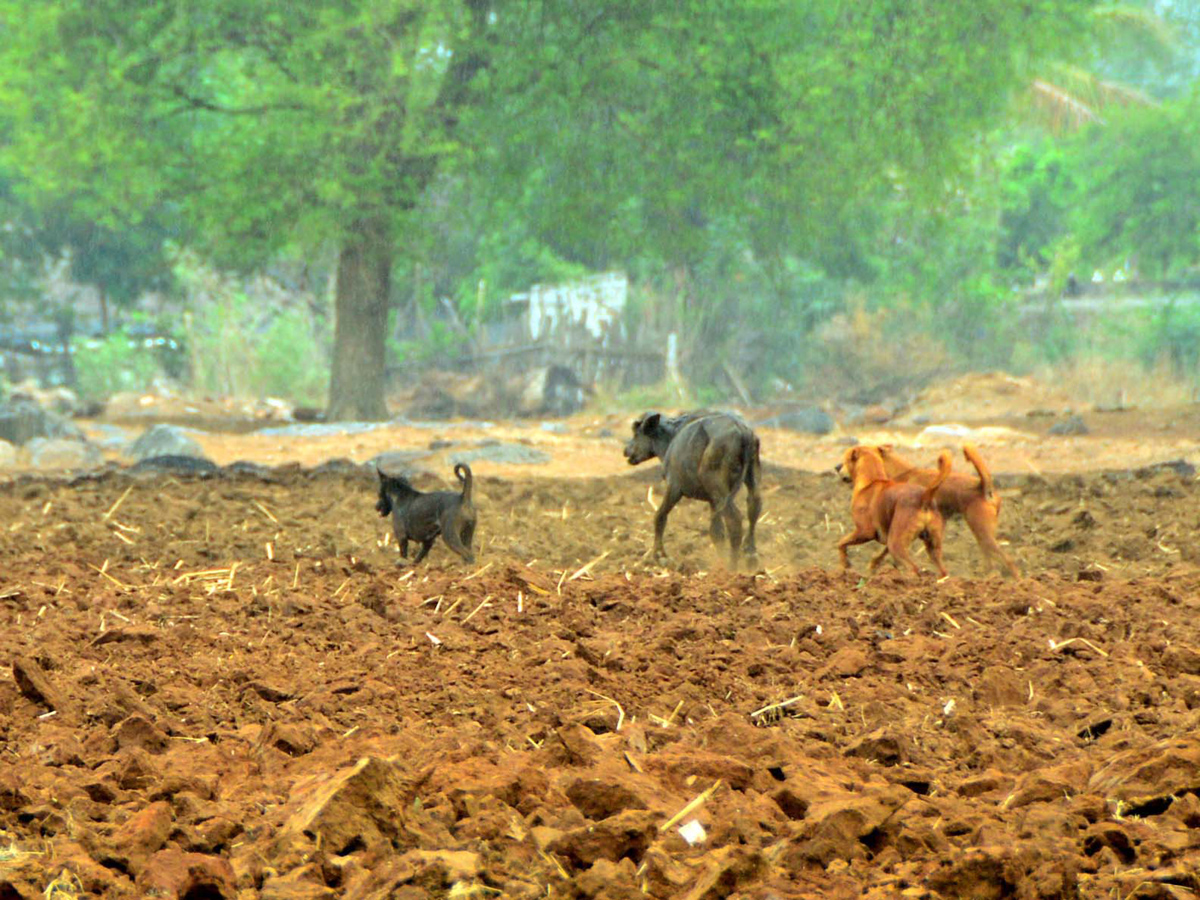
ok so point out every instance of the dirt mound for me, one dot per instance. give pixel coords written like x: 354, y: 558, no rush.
x: 225, y: 687
x: 986, y: 395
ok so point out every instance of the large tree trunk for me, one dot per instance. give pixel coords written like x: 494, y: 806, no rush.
x: 357, y: 382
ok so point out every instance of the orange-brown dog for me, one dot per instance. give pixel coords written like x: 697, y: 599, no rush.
x: 891, y: 512
x: 975, y: 499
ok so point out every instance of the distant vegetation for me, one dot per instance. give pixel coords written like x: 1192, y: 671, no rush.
x: 814, y: 196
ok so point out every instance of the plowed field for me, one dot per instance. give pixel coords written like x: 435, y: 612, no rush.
x: 228, y: 687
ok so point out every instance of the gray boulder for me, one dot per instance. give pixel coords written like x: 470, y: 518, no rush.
x: 1070, y: 426
x: 809, y: 420
x: 504, y: 453
x: 22, y: 420
x: 164, y: 440
x: 64, y: 453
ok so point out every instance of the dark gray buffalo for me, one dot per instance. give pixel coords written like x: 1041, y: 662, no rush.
x: 705, y: 456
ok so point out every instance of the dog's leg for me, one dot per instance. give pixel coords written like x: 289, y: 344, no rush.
x: 983, y: 526
x: 851, y: 540
x: 426, y: 546
x: 753, y: 511
x: 660, y: 519
x: 878, y: 558
x: 733, y: 525
x: 714, y: 480
x: 404, y: 548
x: 716, y: 527
x: 897, y: 543
x: 932, y: 536
x: 454, y: 541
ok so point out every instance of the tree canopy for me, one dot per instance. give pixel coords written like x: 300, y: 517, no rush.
x: 684, y: 137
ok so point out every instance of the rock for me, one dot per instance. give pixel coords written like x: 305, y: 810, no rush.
x: 807, y: 420
x: 182, y: 465
x: 1180, y: 467
x: 363, y: 806
x: 287, y: 738
x: 164, y: 440
x: 835, y: 828
x: 302, y: 883
x: 8, y: 455
x: 176, y: 875
x: 983, y: 873
x: 847, y: 662
x: 1049, y: 784
x: 999, y: 686
x: 626, y: 834
x: 398, y: 462
x: 577, y: 745
x: 139, y: 838
x: 458, y: 865
x: 1113, y: 836
x: 686, y: 766
x: 987, y: 782
x: 503, y: 453
x: 138, y: 771
x: 137, y: 731
x: 214, y: 835
x: 1070, y: 426
x: 63, y: 453
x: 1145, y: 780
x: 1179, y: 659
x: 22, y: 420
x: 12, y: 795
x: 33, y: 682
x: 880, y: 745
x: 606, y: 880
x: 599, y: 798
x: 724, y: 870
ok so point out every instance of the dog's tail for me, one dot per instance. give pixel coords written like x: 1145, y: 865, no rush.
x: 985, y: 475
x: 944, y: 465
x: 754, y: 468
x: 463, y: 471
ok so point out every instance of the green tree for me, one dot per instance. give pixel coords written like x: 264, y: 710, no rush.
x: 621, y: 130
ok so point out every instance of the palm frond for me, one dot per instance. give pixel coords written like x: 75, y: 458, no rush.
x: 1071, y: 97
x: 1125, y: 18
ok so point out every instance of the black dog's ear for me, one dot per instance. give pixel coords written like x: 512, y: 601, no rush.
x: 649, y: 423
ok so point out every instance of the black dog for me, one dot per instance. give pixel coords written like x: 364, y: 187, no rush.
x: 421, y: 517
x: 706, y: 456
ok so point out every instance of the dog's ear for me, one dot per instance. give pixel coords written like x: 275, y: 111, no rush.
x: 885, y: 448
x: 650, y: 422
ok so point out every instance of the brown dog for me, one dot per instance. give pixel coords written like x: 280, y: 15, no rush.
x: 975, y: 499
x: 891, y: 512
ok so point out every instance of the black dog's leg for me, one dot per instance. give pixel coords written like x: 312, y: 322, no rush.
x: 753, y: 511
x: 404, y: 548
x: 716, y: 528
x: 426, y: 546
x: 468, y: 536
x: 454, y: 541
x: 660, y: 519
x: 733, y: 523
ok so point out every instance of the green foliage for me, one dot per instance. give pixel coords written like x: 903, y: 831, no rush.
x: 112, y: 364
x: 1140, y: 199
x: 239, y: 347
x: 1173, y: 335
x: 440, y: 347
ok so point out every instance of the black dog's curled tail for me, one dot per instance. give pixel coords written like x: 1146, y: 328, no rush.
x: 463, y: 471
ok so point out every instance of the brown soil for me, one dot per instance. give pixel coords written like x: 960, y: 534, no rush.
x: 227, y: 687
